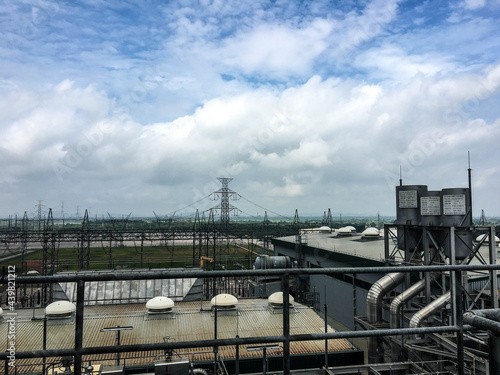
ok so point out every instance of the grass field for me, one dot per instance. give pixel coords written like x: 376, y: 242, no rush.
x: 66, y: 259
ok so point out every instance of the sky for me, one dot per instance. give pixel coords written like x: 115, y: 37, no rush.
x: 137, y: 107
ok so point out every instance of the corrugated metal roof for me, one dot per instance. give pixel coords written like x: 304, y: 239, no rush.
x: 129, y: 291
x: 254, y: 319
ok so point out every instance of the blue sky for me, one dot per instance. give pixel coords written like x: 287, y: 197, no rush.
x: 121, y: 107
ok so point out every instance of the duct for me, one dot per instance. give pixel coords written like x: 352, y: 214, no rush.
x: 376, y: 294
x: 407, y: 295
x: 436, y: 305
x: 395, y: 310
x: 488, y: 320
x: 374, y: 311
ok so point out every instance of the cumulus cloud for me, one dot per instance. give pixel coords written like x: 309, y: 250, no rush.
x: 319, y: 108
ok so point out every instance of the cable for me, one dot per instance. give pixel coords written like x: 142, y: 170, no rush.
x: 275, y: 213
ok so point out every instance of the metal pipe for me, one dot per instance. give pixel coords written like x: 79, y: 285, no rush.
x: 436, y: 305
x: 488, y: 320
x: 232, y: 341
x: 482, y: 322
x: 374, y: 310
x: 167, y: 274
x: 376, y: 294
x: 407, y: 295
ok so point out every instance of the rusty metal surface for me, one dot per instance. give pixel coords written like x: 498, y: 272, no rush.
x: 191, y: 321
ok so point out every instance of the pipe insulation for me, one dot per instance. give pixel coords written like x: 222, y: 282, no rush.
x: 439, y: 303
x: 377, y: 293
x: 407, y: 295
x: 374, y: 301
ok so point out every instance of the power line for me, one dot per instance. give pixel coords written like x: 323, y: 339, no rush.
x: 266, y: 209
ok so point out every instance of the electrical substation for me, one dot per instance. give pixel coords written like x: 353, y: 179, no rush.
x: 418, y: 296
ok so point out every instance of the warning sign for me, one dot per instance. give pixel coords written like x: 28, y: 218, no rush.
x: 408, y: 199
x: 454, y: 204
x: 430, y: 206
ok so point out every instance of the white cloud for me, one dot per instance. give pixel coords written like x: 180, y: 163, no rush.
x: 305, y: 106
x: 277, y: 50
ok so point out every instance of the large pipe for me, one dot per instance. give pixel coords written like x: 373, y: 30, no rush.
x: 395, y: 310
x: 439, y: 303
x: 377, y: 293
x: 374, y: 300
x: 407, y: 295
x: 488, y: 320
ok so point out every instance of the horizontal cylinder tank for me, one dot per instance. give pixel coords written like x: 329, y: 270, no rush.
x: 266, y: 262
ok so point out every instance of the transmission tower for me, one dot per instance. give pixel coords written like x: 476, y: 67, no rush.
x: 483, y: 220
x: 327, y: 219
x: 225, y: 208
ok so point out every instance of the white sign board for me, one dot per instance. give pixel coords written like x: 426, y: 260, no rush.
x: 408, y: 199
x: 454, y: 204
x: 430, y: 206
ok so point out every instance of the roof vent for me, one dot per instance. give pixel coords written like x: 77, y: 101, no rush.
x: 225, y: 303
x: 344, y: 231
x: 371, y: 233
x: 486, y: 239
x: 275, y: 302
x: 60, y: 310
x: 160, y: 305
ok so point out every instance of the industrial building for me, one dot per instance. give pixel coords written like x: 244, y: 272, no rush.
x: 422, y: 292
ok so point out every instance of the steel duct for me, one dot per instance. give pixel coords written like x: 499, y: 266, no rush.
x: 374, y: 300
x: 431, y: 308
x: 377, y: 293
x: 488, y: 320
x: 407, y: 295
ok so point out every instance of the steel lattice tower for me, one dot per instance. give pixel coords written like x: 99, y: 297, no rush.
x: 226, y: 209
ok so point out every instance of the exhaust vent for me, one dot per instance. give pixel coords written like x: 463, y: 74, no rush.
x: 370, y: 233
x: 225, y: 304
x: 159, y: 305
x: 275, y: 302
x: 60, y: 310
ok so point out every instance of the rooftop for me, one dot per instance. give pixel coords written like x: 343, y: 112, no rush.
x: 190, y: 321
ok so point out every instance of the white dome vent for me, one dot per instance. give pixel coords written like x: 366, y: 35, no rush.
x: 60, y: 310
x: 275, y: 302
x: 351, y: 228
x: 344, y: 231
x: 371, y: 233
x: 160, y: 305
x: 486, y: 238
x: 225, y: 303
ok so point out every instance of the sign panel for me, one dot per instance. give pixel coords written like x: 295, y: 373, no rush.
x: 408, y: 199
x: 454, y: 204
x: 430, y: 206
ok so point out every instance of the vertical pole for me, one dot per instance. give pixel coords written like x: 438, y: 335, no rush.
x: 237, y: 362
x: 118, y: 344
x: 326, y: 331
x: 453, y: 276
x: 493, y: 273
x: 354, y: 301
x: 80, y: 293
x: 286, y: 323
x: 460, y: 334
x: 427, y: 261
x: 264, y: 361
x: 44, y: 344
x: 216, y: 348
